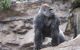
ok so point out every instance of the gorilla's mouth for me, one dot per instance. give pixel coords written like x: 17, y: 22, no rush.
x: 50, y: 16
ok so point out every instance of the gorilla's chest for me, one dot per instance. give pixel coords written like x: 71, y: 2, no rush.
x: 47, y: 27
x: 47, y: 22
x: 46, y: 31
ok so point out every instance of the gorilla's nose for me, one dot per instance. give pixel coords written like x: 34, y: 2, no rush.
x: 50, y: 9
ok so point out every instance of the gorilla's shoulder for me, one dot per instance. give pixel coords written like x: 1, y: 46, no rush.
x: 40, y: 17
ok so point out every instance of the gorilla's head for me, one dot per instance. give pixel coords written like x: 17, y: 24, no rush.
x: 46, y: 10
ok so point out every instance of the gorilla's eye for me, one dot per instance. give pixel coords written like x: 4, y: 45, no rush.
x: 44, y: 9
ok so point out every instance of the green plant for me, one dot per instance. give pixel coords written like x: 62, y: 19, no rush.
x: 76, y: 4
x: 5, y: 4
x: 76, y: 1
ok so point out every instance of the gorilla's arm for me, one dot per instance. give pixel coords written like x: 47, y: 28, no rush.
x: 38, y: 22
x: 55, y: 32
x: 38, y: 32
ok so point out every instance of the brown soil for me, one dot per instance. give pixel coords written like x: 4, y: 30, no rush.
x: 10, y: 13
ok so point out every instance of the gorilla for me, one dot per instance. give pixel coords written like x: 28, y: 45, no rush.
x: 46, y: 24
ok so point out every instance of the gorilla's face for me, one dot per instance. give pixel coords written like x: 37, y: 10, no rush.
x: 46, y: 10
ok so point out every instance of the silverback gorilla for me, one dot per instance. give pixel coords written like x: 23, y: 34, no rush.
x: 46, y: 24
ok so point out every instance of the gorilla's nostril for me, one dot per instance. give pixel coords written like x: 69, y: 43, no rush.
x: 50, y: 9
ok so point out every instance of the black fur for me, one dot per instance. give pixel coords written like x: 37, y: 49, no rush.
x: 47, y: 27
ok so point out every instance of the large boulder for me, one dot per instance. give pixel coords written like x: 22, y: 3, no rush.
x: 73, y: 44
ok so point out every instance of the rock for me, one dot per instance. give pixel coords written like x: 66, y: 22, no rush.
x: 73, y: 44
x: 28, y: 38
x: 77, y: 19
x: 16, y: 27
x: 63, y: 25
x: 13, y: 29
x: 21, y: 31
x: 18, y: 24
x: 61, y: 10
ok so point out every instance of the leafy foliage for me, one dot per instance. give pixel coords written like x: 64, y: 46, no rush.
x: 76, y: 4
x: 5, y: 4
x: 78, y: 1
